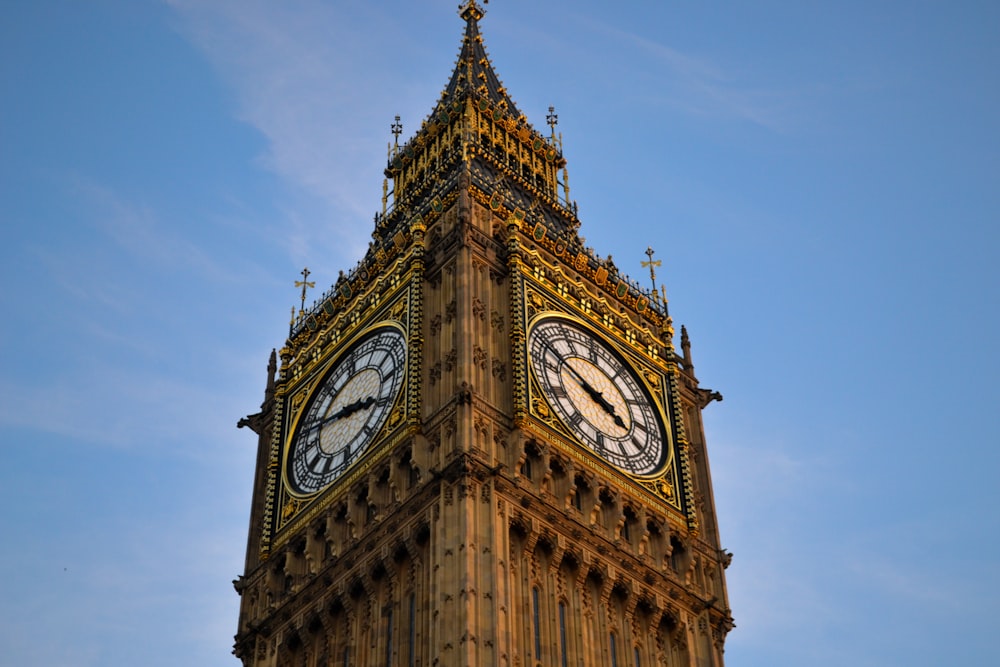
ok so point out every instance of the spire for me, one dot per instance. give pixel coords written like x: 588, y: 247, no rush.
x: 474, y: 71
x: 474, y: 116
x: 272, y: 370
x: 686, y: 351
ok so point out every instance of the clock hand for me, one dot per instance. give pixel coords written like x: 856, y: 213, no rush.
x: 595, y: 395
x: 346, y: 411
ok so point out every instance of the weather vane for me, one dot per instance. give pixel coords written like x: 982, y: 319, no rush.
x: 652, y: 264
x: 305, y: 284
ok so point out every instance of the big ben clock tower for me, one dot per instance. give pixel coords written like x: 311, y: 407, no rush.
x: 480, y: 445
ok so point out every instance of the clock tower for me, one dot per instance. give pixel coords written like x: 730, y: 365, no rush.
x: 480, y: 446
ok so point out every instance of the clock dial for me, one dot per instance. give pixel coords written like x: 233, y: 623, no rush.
x: 597, y: 395
x: 348, y: 410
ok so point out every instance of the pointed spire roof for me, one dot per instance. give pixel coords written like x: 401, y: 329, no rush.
x: 473, y: 79
x: 476, y: 141
x: 473, y: 69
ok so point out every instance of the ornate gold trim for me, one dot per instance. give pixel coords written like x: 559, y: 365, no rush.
x: 662, y: 482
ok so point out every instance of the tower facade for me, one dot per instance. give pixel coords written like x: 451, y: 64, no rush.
x: 481, y: 446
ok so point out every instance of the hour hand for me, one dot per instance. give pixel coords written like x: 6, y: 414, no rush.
x: 608, y: 408
x: 596, y: 396
x: 347, y: 411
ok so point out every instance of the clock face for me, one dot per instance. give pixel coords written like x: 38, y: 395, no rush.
x: 348, y: 410
x: 597, y: 395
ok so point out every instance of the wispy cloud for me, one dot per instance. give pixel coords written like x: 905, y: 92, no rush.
x: 124, y: 369
x: 141, y: 236
x: 174, y: 568
x: 702, y: 87
x: 119, y: 408
x: 295, y: 72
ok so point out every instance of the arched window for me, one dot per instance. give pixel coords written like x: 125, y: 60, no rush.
x: 536, y: 622
x: 562, y: 635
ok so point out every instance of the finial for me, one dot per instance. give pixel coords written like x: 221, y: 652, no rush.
x: 305, y: 284
x: 471, y: 11
x: 652, y: 264
x: 397, y: 129
x: 272, y: 369
x: 686, y: 351
x: 552, y: 119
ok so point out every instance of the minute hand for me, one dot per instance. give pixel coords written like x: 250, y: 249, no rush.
x: 595, y: 395
x: 346, y: 411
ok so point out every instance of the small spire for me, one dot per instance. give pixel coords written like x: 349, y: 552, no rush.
x: 552, y: 119
x: 305, y: 284
x: 686, y: 351
x: 397, y: 129
x: 652, y: 264
x: 272, y: 369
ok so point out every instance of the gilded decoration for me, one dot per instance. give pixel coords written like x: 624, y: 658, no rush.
x: 302, y: 375
x: 548, y: 289
x: 662, y: 484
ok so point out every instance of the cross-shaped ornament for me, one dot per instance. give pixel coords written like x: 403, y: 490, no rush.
x: 652, y: 264
x: 305, y: 284
x: 397, y: 129
x: 552, y: 119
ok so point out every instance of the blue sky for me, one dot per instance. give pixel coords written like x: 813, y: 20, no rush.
x: 820, y: 180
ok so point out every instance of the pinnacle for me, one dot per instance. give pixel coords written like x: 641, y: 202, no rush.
x: 471, y: 11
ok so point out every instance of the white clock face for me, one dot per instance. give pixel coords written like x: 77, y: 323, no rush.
x: 348, y: 410
x: 598, y: 396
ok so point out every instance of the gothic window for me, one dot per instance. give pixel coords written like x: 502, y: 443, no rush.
x: 382, y: 496
x: 560, y: 484
x: 316, y: 546
x: 564, y: 659
x: 581, y: 495
x: 678, y: 556
x: 526, y: 467
x: 614, y: 650
x: 536, y: 622
x: 608, y: 511
x: 388, y: 638
x: 532, y: 461
x: 338, y: 534
x: 655, y: 540
x: 629, y: 525
x: 412, y: 661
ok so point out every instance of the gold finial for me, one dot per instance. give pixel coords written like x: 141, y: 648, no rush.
x: 652, y: 264
x: 552, y: 119
x: 470, y: 9
x: 305, y: 284
x: 397, y: 129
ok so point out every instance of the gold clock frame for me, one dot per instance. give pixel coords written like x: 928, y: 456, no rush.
x: 555, y: 290
x: 304, y: 394
x: 641, y: 373
x: 301, y: 378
